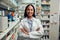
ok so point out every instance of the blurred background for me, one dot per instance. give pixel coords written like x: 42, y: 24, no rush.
x: 12, y: 12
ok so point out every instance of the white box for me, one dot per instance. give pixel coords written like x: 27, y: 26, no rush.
x: 3, y: 23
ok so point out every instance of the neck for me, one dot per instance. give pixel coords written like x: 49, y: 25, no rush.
x: 29, y: 17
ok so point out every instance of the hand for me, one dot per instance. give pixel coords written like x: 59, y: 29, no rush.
x: 37, y: 29
x: 25, y: 31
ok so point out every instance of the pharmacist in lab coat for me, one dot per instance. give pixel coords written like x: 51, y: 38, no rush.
x: 30, y: 27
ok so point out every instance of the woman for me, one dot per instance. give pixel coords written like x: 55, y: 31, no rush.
x: 30, y: 26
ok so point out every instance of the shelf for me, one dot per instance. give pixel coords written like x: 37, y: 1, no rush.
x: 45, y: 1
x: 12, y: 3
x: 45, y: 4
x: 16, y: 36
x: 45, y: 14
x: 45, y: 19
x: 9, y: 36
x: 3, y: 7
x: 9, y: 29
x: 45, y: 24
x: 45, y: 9
x: 29, y: 3
x: 46, y: 29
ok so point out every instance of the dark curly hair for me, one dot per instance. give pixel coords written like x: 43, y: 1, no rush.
x: 25, y: 13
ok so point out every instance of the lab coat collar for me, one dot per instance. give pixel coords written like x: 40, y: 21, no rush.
x: 33, y: 19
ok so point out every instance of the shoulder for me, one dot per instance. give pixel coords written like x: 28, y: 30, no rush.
x: 35, y: 19
x: 23, y: 19
x: 38, y: 21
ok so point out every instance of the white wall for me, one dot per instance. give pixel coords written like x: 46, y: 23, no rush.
x: 54, y: 27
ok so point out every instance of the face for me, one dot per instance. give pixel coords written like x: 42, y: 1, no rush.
x: 30, y: 11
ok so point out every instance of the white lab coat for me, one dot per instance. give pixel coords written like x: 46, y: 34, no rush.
x: 36, y: 24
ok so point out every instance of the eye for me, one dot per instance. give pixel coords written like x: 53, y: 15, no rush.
x: 31, y: 9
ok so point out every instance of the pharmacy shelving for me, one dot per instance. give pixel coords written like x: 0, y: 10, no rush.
x: 12, y: 3
x: 11, y: 31
x: 50, y: 10
x: 9, y: 36
x: 44, y: 7
x: 45, y: 19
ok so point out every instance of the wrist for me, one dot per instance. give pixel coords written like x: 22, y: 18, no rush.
x: 27, y: 33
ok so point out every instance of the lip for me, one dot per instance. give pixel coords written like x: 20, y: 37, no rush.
x: 29, y: 13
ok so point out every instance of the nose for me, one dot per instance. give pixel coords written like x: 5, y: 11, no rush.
x: 29, y: 11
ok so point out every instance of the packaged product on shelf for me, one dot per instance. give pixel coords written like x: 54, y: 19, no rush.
x: 12, y: 38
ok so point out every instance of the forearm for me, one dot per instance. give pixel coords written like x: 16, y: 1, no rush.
x: 25, y: 31
x: 38, y: 29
